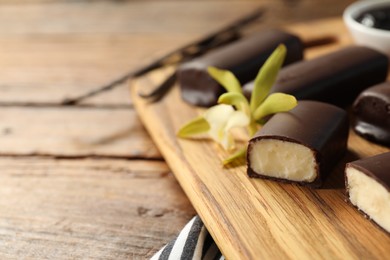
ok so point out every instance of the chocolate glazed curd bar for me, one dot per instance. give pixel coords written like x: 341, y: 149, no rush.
x: 301, y: 145
x: 368, y: 187
x: 372, y: 114
x: 244, y: 58
x: 335, y: 78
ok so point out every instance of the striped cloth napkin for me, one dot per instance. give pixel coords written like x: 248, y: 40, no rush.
x: 194, y: 242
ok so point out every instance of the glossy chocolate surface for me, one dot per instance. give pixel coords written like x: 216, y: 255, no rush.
x: 244, y: 58
x: 372, y: 114
x: 321, y: 127
x: 376, y: 167
x: 335, y: 78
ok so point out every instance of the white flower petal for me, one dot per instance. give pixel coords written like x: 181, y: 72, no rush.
x: 237, y: 119
x: 227, y: 141
x: 217, y: 116
x: 221, y: 119
x: 224, y: 141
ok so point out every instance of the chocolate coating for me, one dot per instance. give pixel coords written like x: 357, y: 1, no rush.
x: 372, y: 114
x: 321, y: 127
x: 244, y: 58
x: 335, y: 78
x: 376, y: 167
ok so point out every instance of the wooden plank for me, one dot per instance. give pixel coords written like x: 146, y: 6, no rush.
x: 86, y: 45
x: 254, y: 218
x: 95, y: 209
x: 140, y: 17
x: 326, y: 28
x: 73, y: 132
x: 89, y: 44
x: 48, y: 69
x: 137, y: 17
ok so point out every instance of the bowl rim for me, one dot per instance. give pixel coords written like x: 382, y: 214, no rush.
x: 351, y: 12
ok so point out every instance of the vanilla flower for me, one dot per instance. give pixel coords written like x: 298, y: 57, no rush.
x: 234, y: 109
x: 217, y: 122
x: 221, y: 119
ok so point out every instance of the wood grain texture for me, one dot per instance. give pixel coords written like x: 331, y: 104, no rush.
x: 260, y: 219
x: 88, y: 44
x: 53, y: 49
x: 87, y: 209
x: 74, y: 132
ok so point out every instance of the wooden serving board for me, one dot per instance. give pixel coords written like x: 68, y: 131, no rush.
x: 262, y: 219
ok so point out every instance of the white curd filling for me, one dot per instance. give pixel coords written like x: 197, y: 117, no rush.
x: 284, y: 160
x: 369, y: 196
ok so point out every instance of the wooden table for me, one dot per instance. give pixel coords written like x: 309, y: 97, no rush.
x: 86, y: 181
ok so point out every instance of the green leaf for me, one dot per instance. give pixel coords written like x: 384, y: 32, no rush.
x: 267, y: 76
x: 226, y: 79
x: 240, y: 154
x: 196, y: 126
x: 275, y: 103
x: 235, y: 99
